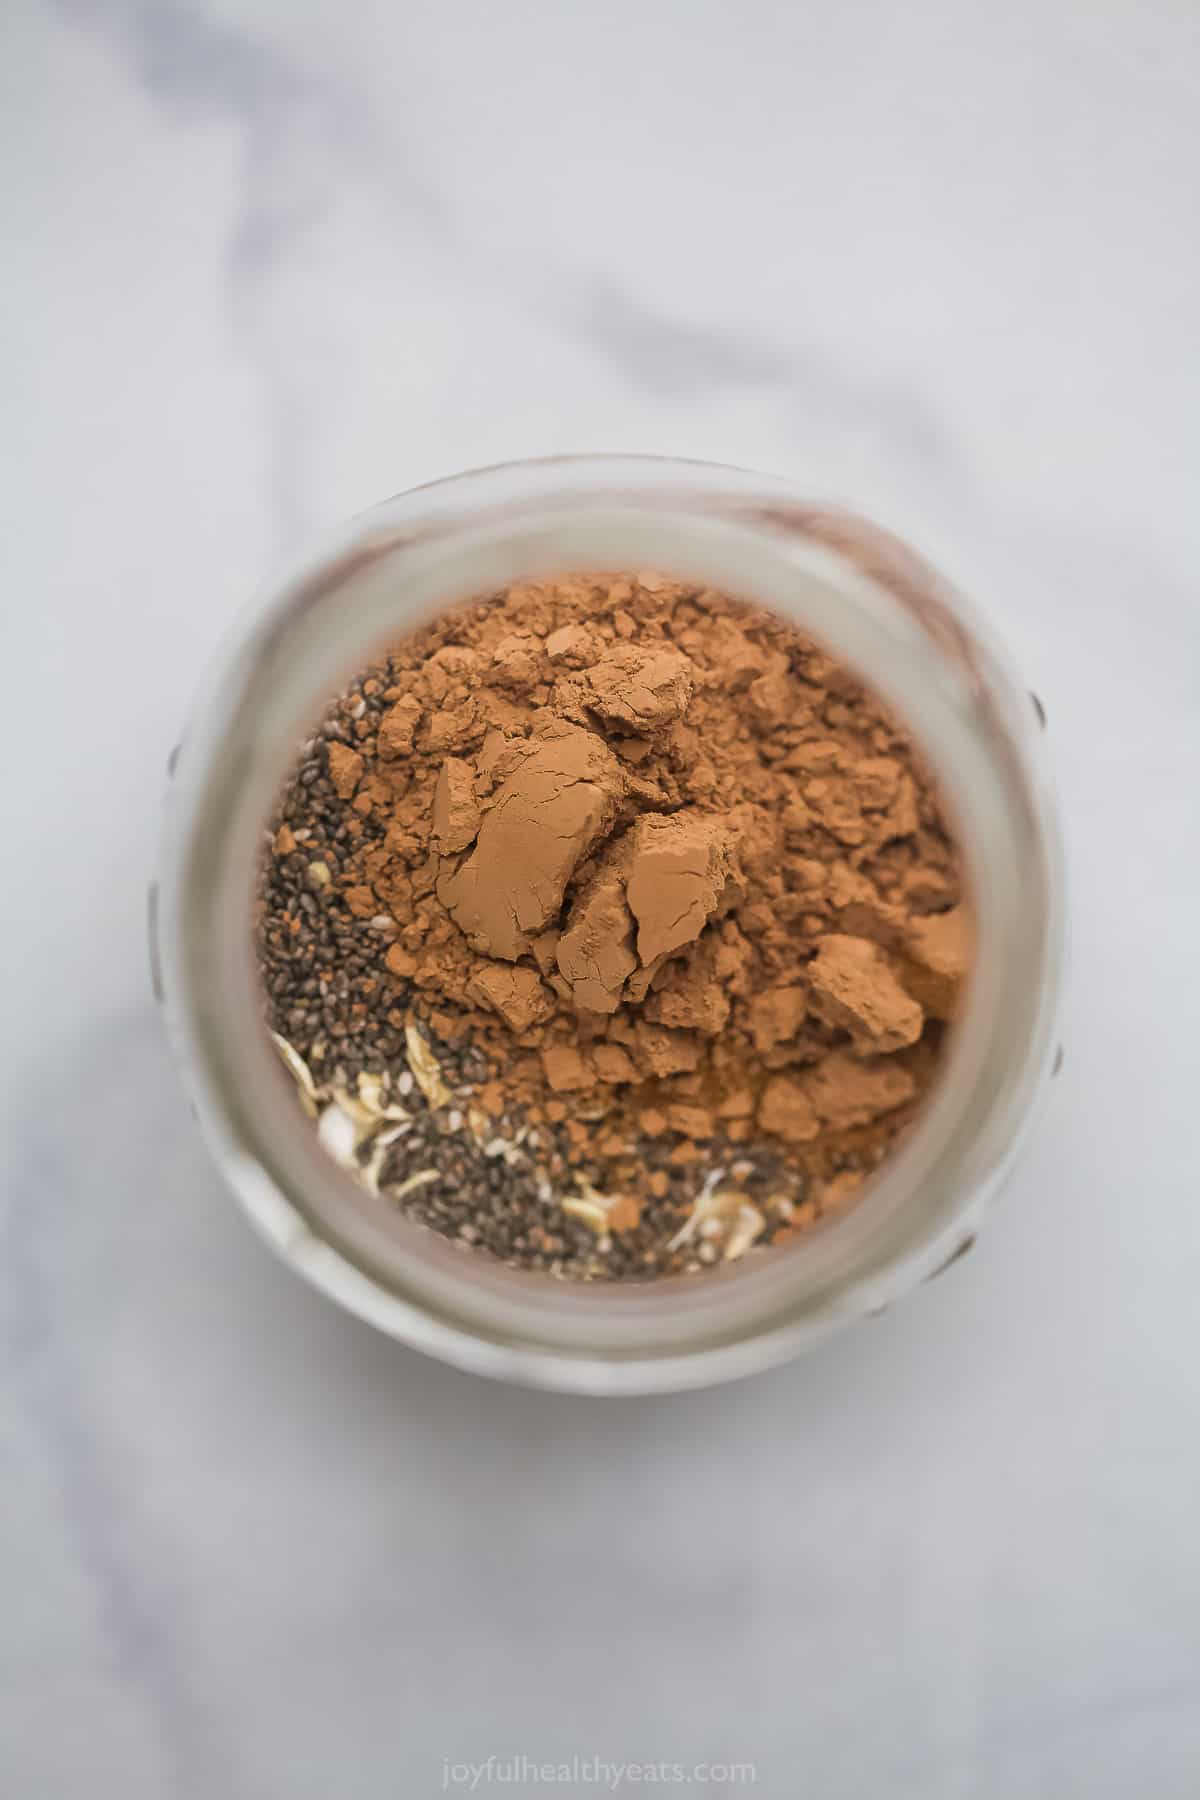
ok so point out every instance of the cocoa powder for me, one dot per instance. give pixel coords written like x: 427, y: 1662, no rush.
x: 649, y: 850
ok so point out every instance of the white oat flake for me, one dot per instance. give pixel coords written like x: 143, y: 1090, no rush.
x: 422, y: 1178
x: 296, y: 1066
x: 425, y: 1067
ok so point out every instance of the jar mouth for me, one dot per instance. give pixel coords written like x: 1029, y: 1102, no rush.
x: 894, y: 623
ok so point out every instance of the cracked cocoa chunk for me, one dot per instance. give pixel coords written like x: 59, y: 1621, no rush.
x: 539, y: 825
x: 853, y: 986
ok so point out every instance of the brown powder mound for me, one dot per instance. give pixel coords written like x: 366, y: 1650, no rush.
x: 652, y: 894
x: 456, y: 816
x: 516, y: 994
x: 853, y: 986
x: 786, y: 1111
x: 679, y: 871
x: 595, y: 953
x: 647, y: 848
x: 566, y: 1070
x: 397, y: 728
x: 345, y: 769
x: 685, y: 826
x: 941, y: 947
x: 642, y: 689
x: 841, y: 1092
x: 775, y: 1016
x: 847, y: 1092
x: 692, y: 992
x: 538, y: 826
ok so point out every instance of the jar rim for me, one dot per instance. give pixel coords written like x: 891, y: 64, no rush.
x: 897, y: 624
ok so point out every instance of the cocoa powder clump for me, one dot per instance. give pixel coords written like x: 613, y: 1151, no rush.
x: 648, y: 850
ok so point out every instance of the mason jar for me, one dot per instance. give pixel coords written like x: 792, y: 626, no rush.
x: 867, y: 599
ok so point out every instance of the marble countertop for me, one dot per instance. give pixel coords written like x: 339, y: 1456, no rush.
x: 269, y: 260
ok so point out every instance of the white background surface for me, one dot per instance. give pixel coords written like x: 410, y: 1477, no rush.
x: 267, y: 262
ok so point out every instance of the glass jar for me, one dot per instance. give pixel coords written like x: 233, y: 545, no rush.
x: 872, y: 603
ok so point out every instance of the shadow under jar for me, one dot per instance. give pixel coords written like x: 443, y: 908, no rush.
x: 867, y: 600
